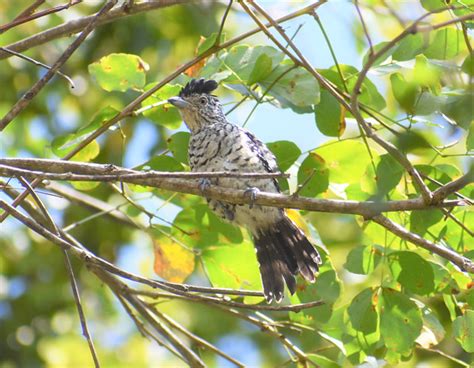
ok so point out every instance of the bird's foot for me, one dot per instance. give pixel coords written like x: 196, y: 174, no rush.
x: 251, y: 193
x: 204, y: 184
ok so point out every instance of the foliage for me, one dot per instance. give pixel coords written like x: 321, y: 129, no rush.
x: 384, y: 298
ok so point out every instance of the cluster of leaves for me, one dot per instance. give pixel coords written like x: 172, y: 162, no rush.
x: 394, y: 315
x: 383, y: 297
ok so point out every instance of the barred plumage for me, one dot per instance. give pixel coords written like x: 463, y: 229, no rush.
x: 283, y: 251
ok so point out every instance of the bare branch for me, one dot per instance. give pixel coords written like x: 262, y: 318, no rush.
x: 28, y: 14
x: 67, y: 171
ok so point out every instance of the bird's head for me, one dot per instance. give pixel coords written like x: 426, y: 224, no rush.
x: 197, y: 106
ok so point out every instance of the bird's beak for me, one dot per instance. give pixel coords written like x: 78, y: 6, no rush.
x: 178, y: 102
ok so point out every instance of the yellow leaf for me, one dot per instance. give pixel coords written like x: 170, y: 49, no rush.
x: 298, y: 220
x: 173, y: 262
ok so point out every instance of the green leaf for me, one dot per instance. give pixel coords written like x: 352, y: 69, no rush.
x: 314, y: 174
x: 178, y: 145
x: 242, y: 60
x: 63, y: 145
x: 208, y: 42
x: 329, y: 115
x: 420, y: 282
x: 388, y: 174
x: 327, y: 288
x: 459, y: 108
x: 411, y: 140
x: 404, y: 92
x: 446, y: 43
x: 161, y: 163
x: 261, y: 69
x: 364, y: 259
x: 400, y: 321
x: 232, y: 266
x: 433, y: 331
x: 322, y: 361
x: 119, y: 72
x: 470, y: 138
x: 164, y: 114
x: 377, y: 48
x: 468, y: 65
x: 422, y: 220
x: 463, y: 328
x: 286, y: 153
x: 368, y: 95
x: 296, y: 89
x: 433, y: 4
x: 409, y: 47
x: 363, y: 312
x: 339, y: 158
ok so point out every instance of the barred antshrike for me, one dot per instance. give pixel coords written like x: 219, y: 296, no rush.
x: 282, y: 249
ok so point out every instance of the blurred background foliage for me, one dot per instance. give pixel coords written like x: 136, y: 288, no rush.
x: 386, y: 300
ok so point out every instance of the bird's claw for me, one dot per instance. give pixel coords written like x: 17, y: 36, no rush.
x: 251, y: 193
x: 204, y: 184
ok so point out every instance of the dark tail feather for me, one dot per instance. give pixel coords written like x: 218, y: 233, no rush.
x: 283, y: 251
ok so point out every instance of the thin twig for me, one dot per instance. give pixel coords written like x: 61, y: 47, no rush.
x: 171, y: 322
x: 70, y: 271
x: 257, y: 307
x: 25, y: 100
x: 224, y: 18
x: 38, y: 63
x: 364, y: 27
x: 27, y: 15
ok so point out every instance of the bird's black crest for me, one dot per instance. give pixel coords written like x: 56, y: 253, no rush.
x: 198, y: 86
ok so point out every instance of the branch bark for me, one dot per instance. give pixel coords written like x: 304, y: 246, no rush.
x: 177, y: 182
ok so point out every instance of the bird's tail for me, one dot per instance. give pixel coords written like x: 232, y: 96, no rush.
x: 283, y: 251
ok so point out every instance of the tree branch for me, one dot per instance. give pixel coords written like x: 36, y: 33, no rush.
x: 25, y: 100
x: 78, y: 171
x: 463, y: 263
x: 77, y: 25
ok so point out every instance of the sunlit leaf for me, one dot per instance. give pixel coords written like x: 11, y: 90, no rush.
x: 340, y: 162
x: 206, y: 43
x: 420, y: 282
x: 297, y: 88
x: 445, y: 44
x: 329, y: 115
x: 63, y: 145
x: 363, y: 260
x: 388, y: 174
x: 286, y: 153
x: 463, y: 327
x: 232, y: 266
x: 173, y: 261
x: 178, y: 145
x: 313, y: 175
x: 242, y: 60
x: 432, y: 332
x: 261, y: 69
x: 422, y: 220
x: 409, y: 47
x: 400, y: 320
x: 119, y: 72
x: 164, y: 114
x: 363, y: 311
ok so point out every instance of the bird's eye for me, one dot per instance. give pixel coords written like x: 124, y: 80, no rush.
x: 203, y: 100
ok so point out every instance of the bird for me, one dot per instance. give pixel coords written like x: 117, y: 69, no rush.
x: 283, y: 251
